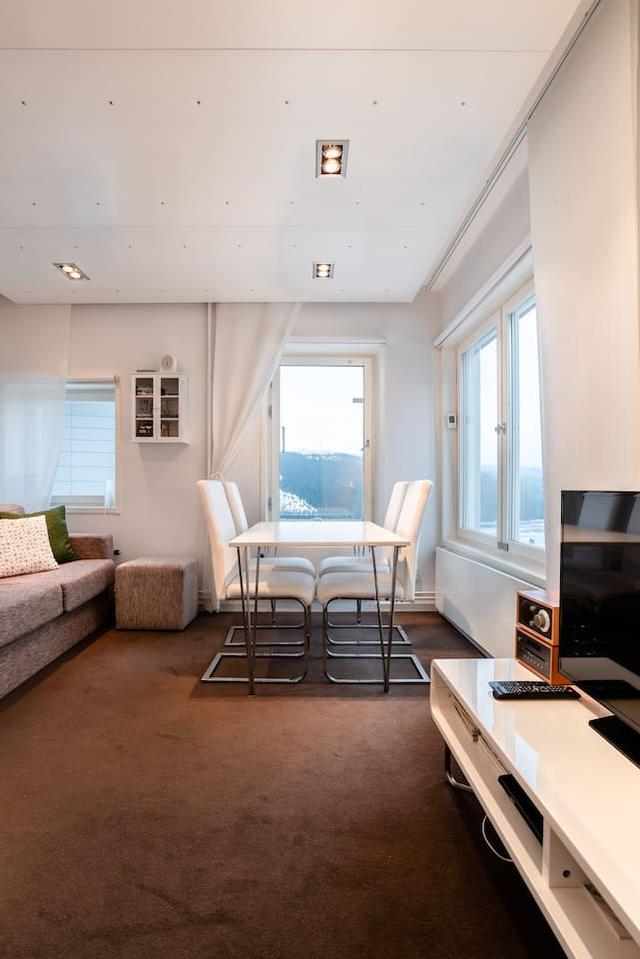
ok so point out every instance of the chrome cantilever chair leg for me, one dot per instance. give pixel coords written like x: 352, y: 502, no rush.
x: 209, y: 674
x: 386, y: 656
x: 231, y: 643
x: 402, y: 640
x: 250, y: 629
x: 422, y: 676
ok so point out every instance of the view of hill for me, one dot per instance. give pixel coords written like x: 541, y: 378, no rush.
x: 329, y: 486
x: 320, y: 485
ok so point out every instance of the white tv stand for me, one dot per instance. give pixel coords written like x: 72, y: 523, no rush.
x: 586, y: 874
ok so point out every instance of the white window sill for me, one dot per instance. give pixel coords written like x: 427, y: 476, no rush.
x: 92, y: 510
x: 534, y: 574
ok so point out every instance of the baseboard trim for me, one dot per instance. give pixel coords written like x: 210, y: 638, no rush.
x: 424, y: 602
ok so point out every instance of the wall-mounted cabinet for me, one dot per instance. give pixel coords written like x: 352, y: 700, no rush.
x: 160, y: 406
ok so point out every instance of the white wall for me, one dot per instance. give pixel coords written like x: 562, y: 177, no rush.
x: 583, y: 213
x: 507, y: 228
x: 406, y: 447
x: 583, y: 160
x: 158, y: 511
x: 479, y: 600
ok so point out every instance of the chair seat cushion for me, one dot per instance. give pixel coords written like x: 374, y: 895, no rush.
x: 26, y: 605
x: 278, y: 584
x: 356, y: 585
x: 351, y: 564
x: 79, y: 581
x: 286, y: 564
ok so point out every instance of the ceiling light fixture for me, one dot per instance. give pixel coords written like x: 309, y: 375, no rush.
x: 71, y: 271
x: 331, y: 157
x: 323, y: 271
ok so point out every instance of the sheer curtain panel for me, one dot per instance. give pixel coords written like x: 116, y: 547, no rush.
x: 34, y: 346
x: 248, y: 342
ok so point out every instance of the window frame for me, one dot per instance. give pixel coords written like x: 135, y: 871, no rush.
x: 502, y: 546
x: 298, y: 356
x: 80, y: 504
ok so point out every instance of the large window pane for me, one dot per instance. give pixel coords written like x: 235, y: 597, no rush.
x: 525, y: 467
x: 86, y: 472
x: 479, y: 488
x: 321, y: 442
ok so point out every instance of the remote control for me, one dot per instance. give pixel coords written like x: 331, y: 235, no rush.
x: 519, y: 689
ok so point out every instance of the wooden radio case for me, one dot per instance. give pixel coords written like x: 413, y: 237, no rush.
x: 538, y: 634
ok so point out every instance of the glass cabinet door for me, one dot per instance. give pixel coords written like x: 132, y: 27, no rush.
x: 169, y: 407
x: 144, y: 407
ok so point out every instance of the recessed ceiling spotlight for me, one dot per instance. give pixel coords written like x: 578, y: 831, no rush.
x: 323, y: 271
x: 71, y: 271
x: 331, y: 157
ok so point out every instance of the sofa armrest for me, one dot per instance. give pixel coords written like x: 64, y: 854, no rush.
x: 90, y: 546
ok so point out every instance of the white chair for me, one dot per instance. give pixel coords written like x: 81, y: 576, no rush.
x: 353, y: 564
x: 292, y: 564
x: 360, y: 585
x: 229, y: 577
x: 362, y: 564
x: 285, y: 563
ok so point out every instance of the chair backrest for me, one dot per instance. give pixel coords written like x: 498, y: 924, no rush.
x: 394, y: 506
x: 236, y: 507
x: 221, y: 529
x: 410, y: 525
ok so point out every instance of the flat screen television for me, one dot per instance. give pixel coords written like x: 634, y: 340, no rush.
x: 600, y: 607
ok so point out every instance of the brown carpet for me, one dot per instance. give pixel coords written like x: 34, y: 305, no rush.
x: 146, y: 815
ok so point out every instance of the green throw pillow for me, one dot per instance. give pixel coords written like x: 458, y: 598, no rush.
x: 57, y: 529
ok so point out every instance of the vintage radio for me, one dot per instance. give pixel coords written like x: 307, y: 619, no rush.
x: 538, y: 633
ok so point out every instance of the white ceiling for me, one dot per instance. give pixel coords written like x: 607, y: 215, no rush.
x: 111, y: 162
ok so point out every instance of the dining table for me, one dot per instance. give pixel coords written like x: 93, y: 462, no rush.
x: 323, y: 535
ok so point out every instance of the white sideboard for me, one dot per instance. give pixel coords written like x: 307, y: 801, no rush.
x: 585, y: 875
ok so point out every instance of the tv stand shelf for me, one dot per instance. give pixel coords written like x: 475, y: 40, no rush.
x: 585, y: 876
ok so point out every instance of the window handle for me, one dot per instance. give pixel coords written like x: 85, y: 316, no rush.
x: 366, y: 446
x: 501, y: 428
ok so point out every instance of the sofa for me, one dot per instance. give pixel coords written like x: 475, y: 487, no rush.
x: 42, y: 615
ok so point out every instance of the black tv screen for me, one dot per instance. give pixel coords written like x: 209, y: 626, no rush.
x: 600, y: 598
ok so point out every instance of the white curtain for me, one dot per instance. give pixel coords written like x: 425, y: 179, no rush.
x: 248, y: 343
x: 34, y: 346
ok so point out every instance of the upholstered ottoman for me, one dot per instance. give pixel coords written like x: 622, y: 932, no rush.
x: 156, y: 593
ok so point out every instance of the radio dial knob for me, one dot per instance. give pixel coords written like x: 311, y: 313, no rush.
x: 542, y: 621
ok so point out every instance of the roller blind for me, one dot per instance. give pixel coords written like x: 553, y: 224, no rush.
x: 86, y: 474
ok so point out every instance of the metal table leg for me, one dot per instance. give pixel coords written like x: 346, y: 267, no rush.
x: 394, y: 577
x: 254, y: 633
x: 245, y: 618
x: 385, y: 677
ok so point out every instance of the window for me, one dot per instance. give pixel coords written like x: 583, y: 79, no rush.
x: 86, y: 475
x: 501, y: 501
x: 321, y: 438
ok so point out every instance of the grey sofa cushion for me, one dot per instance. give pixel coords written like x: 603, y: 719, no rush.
x: 79, y: 581
x: 28, y: 605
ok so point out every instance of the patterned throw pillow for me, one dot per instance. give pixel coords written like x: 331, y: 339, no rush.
x: 25, y: 546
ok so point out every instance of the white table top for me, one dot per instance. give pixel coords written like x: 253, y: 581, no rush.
x: 318, y: 533
x: 587, y: 789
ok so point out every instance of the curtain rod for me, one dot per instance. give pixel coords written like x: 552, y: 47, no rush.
x: 506, y: 156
